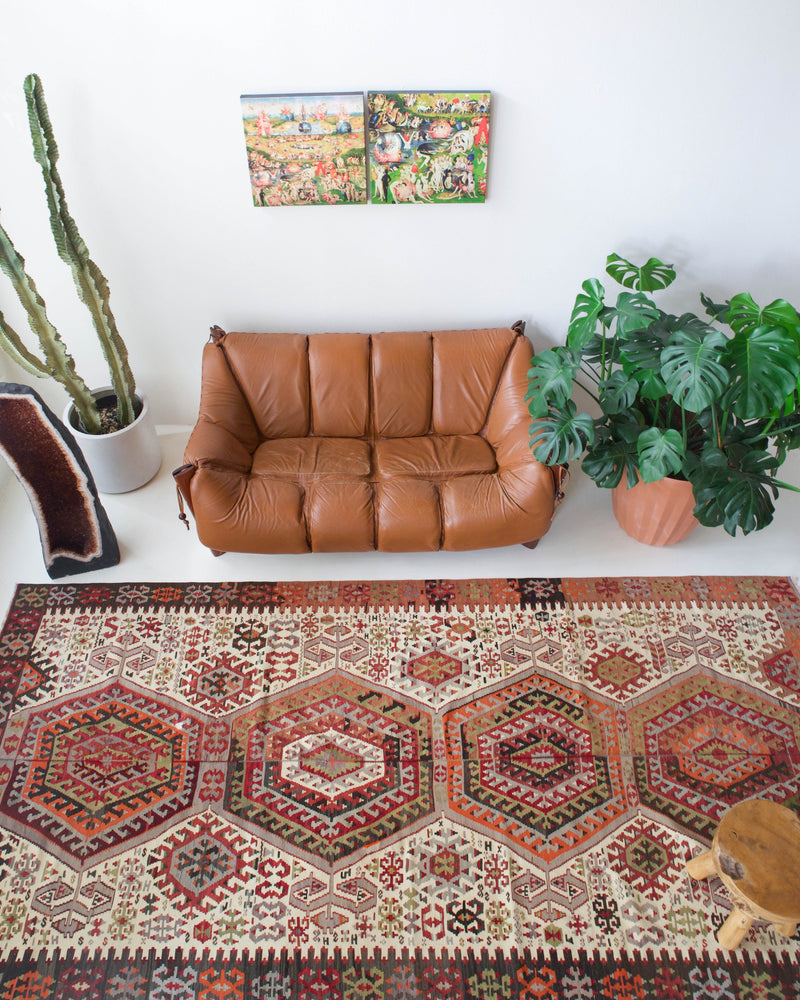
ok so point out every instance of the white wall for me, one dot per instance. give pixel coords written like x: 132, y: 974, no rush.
x: 644, y: 127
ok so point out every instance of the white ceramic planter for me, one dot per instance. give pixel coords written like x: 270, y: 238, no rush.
x: 123, y: 460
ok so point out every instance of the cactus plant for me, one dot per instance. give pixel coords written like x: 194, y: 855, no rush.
x: 92, y: 289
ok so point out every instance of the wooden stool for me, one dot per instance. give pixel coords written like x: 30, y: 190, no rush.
x: 756, y: 853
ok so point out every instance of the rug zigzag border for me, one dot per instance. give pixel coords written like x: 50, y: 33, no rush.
x: 537, y: 973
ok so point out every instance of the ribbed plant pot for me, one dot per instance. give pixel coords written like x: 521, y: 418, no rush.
x: 125, y: 459
x: 660, y: 513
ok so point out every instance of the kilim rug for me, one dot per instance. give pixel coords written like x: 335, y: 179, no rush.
x: 388, y: 791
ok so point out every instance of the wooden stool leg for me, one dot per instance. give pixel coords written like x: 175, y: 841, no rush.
x: 734, y: 929
x: 702, y: 866
x: 787, y: 930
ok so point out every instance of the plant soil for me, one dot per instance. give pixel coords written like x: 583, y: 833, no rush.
x: 108, y: 418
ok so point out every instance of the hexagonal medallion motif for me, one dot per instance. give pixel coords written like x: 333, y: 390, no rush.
x: 701, y: 745
x: 331, y: 769
x: 537, y: 763
x: 101, y: 769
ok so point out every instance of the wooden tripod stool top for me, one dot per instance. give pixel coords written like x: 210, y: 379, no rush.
x: 756, y: 853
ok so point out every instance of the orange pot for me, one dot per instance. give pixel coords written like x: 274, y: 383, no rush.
x: 659, y: 513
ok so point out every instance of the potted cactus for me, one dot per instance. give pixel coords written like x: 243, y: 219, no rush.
x: 112, y: 424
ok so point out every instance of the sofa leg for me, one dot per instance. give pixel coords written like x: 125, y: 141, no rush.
x: 217, y: 552
x: 531, y: 545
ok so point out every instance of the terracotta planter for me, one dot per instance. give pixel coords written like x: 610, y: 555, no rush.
x: 123, y: 460
x: 659, y: 513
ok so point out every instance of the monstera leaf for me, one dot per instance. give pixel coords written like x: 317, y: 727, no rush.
x: 716, y: 310
x: 734, y: 488
x: 640, y: 357
x: 690, y: 364
x: 744, y: 314
x: 650, y: 277
x: 766, y: 362
x: 618, y: 392
x: 601, y: 349
x: 787, y: 432
x: 614, y: 454
x: 633, y: 311
x: 561, y: 435
x: 660, y: 453
x: 585, y: 314
x: 550, y: 379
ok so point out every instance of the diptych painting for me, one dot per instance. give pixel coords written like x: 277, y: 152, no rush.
x: 305, y: 149
x: 428, y: 147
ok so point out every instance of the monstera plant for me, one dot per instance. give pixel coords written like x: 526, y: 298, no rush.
x: 715, y: 400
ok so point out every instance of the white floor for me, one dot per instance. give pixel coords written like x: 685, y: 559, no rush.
x: 583, y: 541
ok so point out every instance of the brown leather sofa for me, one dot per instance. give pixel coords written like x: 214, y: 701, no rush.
x: 345, y: 442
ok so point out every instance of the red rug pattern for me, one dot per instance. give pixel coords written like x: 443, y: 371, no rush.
x: 483, y: 788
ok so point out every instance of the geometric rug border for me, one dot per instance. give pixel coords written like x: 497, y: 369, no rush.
x: 357, y: 974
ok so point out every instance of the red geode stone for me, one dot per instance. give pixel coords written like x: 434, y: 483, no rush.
x: 74, y: 529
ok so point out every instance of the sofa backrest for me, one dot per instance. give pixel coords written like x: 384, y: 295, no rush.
x: 359, y: 385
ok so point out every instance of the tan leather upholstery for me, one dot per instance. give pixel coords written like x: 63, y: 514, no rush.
x: 347, y: 442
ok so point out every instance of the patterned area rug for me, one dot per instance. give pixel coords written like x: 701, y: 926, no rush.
x: 388, y: 791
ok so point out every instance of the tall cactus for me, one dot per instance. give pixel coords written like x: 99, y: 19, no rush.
x: 58, y: 363
x: 92, y: 288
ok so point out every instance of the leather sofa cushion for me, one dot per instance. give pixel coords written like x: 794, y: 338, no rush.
x: 352, y: 385
x: 272, y: 376
x: 430, y: 457
x: 433, y: 457
x: 404, y: 404
x: 347, y: 458
x: 338, y: 377
x: 408, y: 515
x: 467, y: 367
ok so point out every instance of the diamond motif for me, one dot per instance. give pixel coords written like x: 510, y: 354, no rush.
x: 201, y: 865
x: 434, y: 668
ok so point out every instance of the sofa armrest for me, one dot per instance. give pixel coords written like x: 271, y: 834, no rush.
x: 508, y: 423
x: 225, y: 433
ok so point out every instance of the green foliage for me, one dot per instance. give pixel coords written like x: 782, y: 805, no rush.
x: 550, y: 380
x: 690, y: 366
x: 716, y: 403
x: 91, y: 285
x: 561, y: 433
x: 765, y: 359
x: 633, y: 311
x: 615, y: 453
x: 659, y: 453
x: 647, y: 278
x: 735, y: 487
x: 587, y: 309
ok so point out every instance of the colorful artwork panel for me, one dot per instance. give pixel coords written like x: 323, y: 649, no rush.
x: 428, y: 147
x: 305, y: 149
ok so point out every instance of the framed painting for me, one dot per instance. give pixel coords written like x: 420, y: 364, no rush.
x: 305, y: 149
x: 429, y: 147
